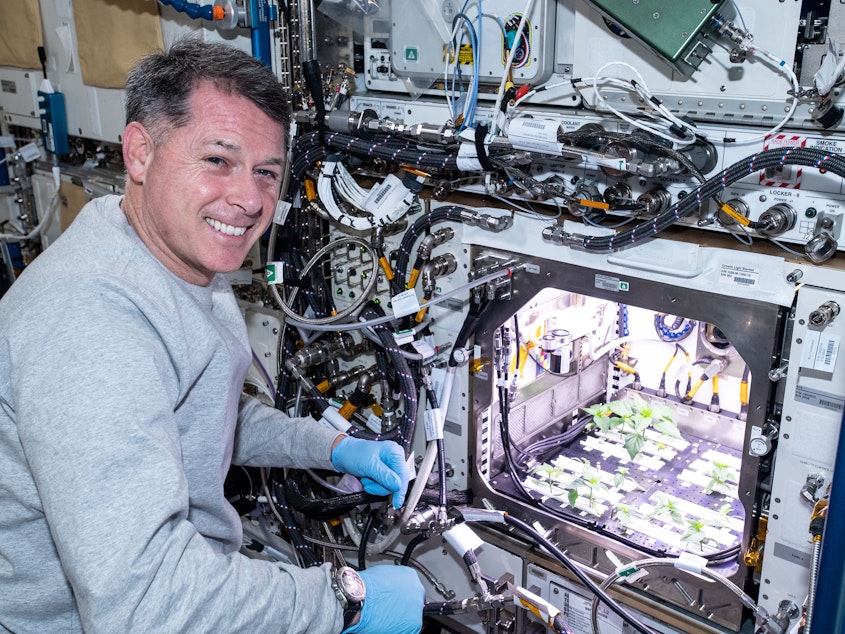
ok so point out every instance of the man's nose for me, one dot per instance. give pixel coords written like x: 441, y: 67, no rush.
x: 245, y: 192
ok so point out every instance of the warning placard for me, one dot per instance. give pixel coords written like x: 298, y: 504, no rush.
x: 783, y: 176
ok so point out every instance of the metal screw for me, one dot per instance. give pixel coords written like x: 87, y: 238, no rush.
x: 655, y: 15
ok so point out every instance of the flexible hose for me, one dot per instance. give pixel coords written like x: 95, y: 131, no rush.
x: 403, y: 432
x: 420, y: 226
x: 778, y: 157
x: 423, y: 471
x: 746, y: 600
x: 814, y: 580
x: 308, y: 151
x: 192, y: 9
x: 287, y: 307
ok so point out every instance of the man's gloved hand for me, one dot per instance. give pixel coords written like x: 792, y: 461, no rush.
x: 380, y: 465
x: 394, y: 603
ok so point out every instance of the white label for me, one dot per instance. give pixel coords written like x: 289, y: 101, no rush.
x: 274, y: 272
x: 423, y: 348
x: 433, y: 424
x: 374, y: 423
x: 405, y: 303
x: 7, y: 142
x: 404, y: 337
x: 384, y: 197
x: 831, y: 146
x: 463, y: 539
x: 819, y: 351
x: 281, y: 213
x: 738, y: 275
x: 438, y: 380
x: 577, y: 609
x: 468, y: 158
x: 535, y: 134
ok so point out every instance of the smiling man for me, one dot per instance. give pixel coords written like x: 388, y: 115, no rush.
x: 122, y: 359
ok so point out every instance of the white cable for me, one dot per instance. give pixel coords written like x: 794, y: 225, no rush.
x: 602, y: 100
x: 614, y: 577
x: 451, y: 50
x: 529, y: 5
x: 781, y: 65
x: 325, y: 191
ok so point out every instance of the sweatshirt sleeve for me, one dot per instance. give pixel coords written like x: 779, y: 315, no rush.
x: 92, y: 391
x: 266, y: 437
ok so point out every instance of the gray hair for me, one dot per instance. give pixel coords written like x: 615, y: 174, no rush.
x: 160, y: 85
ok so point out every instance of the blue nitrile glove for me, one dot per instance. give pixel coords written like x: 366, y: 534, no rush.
x: 394, y: 603
x: 380, y: 465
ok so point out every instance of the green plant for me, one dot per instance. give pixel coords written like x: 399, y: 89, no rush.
x: 719, y: 475
x: 695, y: 533
x: 631, y: 419
x: 666, y: 508
x: 623, y: 514
x: 551, y: 474
x: 620, y: 476
x: 589, y: 479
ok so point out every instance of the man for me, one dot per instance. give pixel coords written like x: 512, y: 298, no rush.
x: 122, y: 358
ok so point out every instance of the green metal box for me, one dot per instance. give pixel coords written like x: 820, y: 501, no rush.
x: 677, y: 30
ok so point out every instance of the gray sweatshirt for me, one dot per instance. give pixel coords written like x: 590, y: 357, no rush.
x: 120, y: 414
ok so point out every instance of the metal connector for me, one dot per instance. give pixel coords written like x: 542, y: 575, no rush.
x: 496, y: 224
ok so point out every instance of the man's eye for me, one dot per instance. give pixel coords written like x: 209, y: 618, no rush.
x: 267, y: 174
x: 216, y: 160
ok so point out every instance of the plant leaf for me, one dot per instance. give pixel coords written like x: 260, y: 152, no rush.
x: 641, y: 423
x: 618, y: 479
x: 634, y: 444
x: 600, y: 409
x: 621, y: 408
x: 666, y: 427
x: 573, y: 497
x: 676, y: 516
x: 642, y: 406
x: 623, y: 514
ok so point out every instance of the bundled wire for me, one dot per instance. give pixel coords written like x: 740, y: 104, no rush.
x: 538, y: 449
x: 462, y: 24
x: 403, y: 431
x: 285, y: 517
x: 323, y: 508
x: 309, y: 150
x: 778, y: 157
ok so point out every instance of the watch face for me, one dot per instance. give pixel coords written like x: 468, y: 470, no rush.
x: 351, y: 585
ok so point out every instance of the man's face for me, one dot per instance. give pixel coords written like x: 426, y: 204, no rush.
x: 209, y: 189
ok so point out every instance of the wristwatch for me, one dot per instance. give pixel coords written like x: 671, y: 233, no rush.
x: 351, y: 592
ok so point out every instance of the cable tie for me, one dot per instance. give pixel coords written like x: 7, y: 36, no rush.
x: 690, y: 563
x: 631, y: 573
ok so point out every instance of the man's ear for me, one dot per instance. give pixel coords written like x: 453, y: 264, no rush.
x: 138, y: 150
